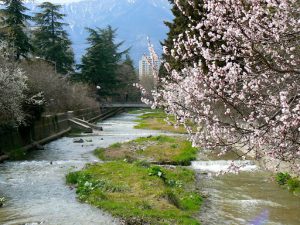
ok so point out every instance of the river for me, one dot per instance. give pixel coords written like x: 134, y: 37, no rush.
x: 37, y: 194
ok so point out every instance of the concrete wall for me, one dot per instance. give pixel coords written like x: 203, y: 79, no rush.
x: 47, y: 126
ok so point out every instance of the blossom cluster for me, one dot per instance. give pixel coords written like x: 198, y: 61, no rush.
x: 244, y: 92
x: 12, y: 88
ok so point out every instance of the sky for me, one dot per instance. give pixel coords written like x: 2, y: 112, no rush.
x: 58, y: 1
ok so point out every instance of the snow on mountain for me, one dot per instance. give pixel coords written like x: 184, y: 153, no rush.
x: 135, y: 20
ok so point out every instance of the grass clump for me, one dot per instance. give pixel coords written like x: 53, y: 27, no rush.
x: 139, y: 111
x: 139, y: 193
x: 156, y: 120
x: 291, y: 183
x: 156, y: 149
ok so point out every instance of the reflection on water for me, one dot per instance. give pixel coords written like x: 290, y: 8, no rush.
x: 37, y: 193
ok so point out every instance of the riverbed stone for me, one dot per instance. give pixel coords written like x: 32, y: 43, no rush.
x: 78, y: 140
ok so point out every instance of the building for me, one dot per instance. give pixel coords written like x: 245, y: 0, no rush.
x: 146, y: 67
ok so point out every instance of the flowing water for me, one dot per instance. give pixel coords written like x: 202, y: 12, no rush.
x: 36, y: 190
x: 37, y: 194
x: 249, y: 198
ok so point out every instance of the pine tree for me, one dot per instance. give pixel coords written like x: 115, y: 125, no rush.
x: 127, y: 77
x: 51, y: 41
x: 178, y: 26
x: 14, y: 25
x: 100, y: 63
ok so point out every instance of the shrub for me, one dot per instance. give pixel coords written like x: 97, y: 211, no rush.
x: 59, y: 92
x: 282, y: 178
x: 293, y: 183
x: 157, y: 171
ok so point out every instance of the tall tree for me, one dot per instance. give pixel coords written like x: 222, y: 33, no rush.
x: 127, y: 77
x: 100, y: 63
x: 14, y: 24
x: 180, y: 24
x: 247, y: 95
x: 51, y: 41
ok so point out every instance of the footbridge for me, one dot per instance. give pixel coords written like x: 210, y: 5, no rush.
x: 124, y: 105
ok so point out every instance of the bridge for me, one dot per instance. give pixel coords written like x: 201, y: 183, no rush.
x: 124, y: 105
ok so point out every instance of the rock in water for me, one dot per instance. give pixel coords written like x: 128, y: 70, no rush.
x: 78, y: 140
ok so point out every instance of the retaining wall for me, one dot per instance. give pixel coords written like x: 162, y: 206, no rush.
x: 46, y: 127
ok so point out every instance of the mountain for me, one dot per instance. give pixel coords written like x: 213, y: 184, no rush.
x: 135, y: 20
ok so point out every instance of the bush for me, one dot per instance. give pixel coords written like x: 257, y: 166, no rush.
x: 157, y: 171
x: 293, y: 184
x: 59, y: 92
x: 282, y: 178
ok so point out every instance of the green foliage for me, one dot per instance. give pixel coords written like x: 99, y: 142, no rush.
x: 72, y: 178
x: 160, y: 149
x: 156, y: 120
x: 51, y: 41
x: 100, y: 63
x: 126, y: 190
x: 116, y: 145
x: 100, y: 153
x: 291, y: 183
x: 157, y: 171
x: 178, y: 26
x: 13, y: 27
x: 282, y: 178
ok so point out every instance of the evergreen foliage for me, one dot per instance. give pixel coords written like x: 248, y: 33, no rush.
x: 178, y: 26
x: 127, y: 76
x: 51, y: 41
x: 100, y: 63
x: 13, y: 23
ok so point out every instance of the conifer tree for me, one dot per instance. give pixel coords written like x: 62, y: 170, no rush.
x: 178, y: 26
x: 100, y: 63
x: 51, y: 41
x: 14, y: 26
x: 127, y: 77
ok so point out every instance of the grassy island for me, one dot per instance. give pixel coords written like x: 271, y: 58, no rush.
x: 154, y: 149
x: 140, y: 193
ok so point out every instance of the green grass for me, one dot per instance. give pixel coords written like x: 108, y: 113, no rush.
x: 139, y: 111
x: 291, y: 183
x: 155, y: 149
x: 156, y: 120
x: 140, y: 193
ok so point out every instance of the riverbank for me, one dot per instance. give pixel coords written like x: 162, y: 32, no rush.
x: 155, y: 119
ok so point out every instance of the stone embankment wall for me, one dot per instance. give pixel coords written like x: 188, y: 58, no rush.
x: 47, y: 128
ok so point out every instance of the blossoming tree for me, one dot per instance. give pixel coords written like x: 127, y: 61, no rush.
x: 12, y: 88
x: 245, y: 90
